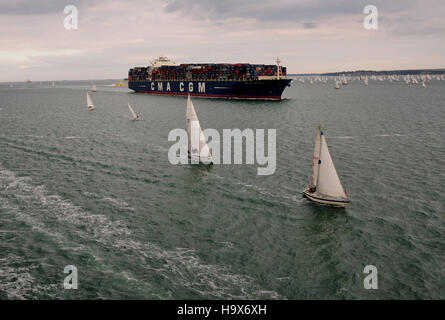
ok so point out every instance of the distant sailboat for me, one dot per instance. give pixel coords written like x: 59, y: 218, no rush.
x: 198, y: 150
x: 94, y: 87
x: 326, y: 187
x: 135, y: 116
x: 90, y: 104
x: 423, y: 84
x: 337, y: 85
x: 366, y: 81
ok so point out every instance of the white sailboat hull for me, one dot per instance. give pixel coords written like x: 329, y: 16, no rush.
x: 327, y: 200
x: 201, y: 160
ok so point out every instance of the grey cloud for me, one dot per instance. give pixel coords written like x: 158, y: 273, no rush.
x: 26, y: 7
x: 309, y: 25
x: 266, y: 10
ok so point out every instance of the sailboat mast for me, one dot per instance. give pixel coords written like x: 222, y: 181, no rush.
x: 319, y: 157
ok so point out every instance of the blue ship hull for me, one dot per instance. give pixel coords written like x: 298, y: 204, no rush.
x: 258, y: 89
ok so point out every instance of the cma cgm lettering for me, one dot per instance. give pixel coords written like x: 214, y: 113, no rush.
x: 243, y: 81
x: 172, y: 86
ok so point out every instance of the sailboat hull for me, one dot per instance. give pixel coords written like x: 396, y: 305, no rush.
x: 201, y: 160
x: 316, y: 197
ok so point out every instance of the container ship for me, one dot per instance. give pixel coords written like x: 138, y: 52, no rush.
x: 215, y: 80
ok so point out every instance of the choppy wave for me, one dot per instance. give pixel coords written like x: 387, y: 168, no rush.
x: 119, y: 203
x: 17, y: 281
x: 180, y: 266
x: 30, y: 136
x: 391, y: 135
x: 342, y: 137
x: 88, y: 164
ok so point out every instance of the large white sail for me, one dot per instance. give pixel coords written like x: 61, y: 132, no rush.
x: 328, y: 181
x: 94, y: 87
x: 135, y: 116
x: 315, y: 158
x: 90, y: 104
x: 198, y: 147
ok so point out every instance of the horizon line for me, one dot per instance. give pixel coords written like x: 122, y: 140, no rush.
x: 298, y: 74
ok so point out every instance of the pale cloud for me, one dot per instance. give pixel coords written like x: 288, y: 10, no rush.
x: 309, y: 36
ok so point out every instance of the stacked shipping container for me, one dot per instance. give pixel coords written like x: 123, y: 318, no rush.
x: 205, y: 72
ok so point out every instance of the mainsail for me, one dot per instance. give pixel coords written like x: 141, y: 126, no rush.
x: 328, y: 181
x: 198, y: 147
x: 90, y: 104
x: 337, y: 84
x: 135, y: 116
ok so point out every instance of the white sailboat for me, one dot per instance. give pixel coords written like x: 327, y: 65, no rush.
x: 199, y: 151
x: 337, y: 85
x: 423, y: 84
x: 90, y: 104
x: 366, y: 81
x: 94, y: 87
x: 135, y: 116
x: 326, y: 187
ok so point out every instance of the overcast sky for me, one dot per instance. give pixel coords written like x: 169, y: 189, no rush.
x: 308, y: 35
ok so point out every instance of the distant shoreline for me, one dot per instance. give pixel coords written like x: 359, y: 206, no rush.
x: 374, y: 72
x: 348, y: 73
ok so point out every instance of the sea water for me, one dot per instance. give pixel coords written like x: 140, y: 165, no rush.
x: 95, y: 190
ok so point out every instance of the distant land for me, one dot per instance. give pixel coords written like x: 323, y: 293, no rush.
x: 373, y: 72
x: 347, y: 73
